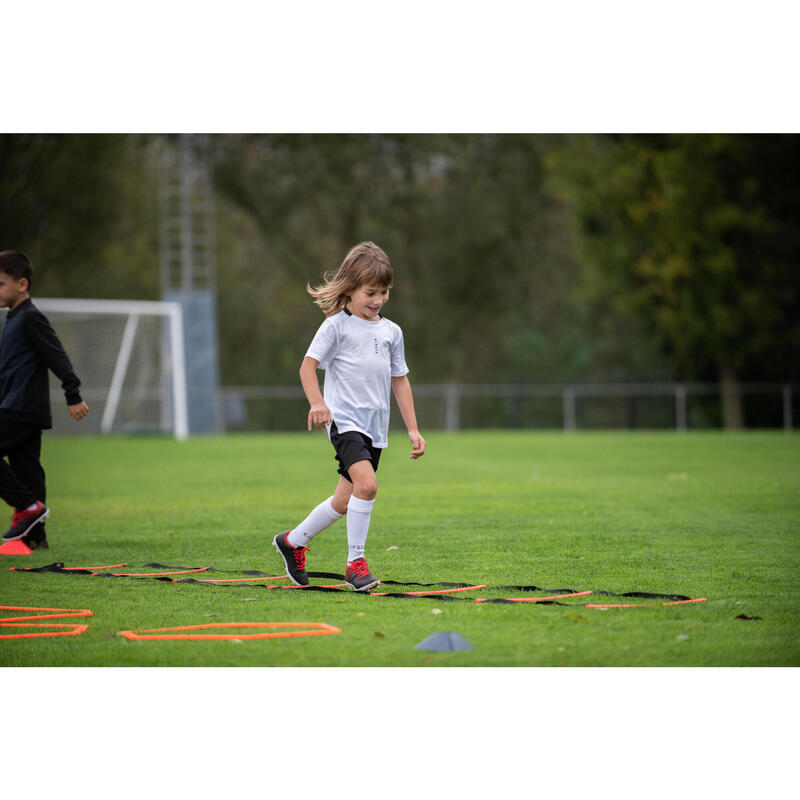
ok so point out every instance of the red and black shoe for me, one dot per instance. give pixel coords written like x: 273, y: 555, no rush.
x: 359, y: 577
x: 294, y: 558
x: 23, y: 521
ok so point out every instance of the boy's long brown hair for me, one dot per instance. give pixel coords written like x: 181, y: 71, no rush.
x: 365, y: 264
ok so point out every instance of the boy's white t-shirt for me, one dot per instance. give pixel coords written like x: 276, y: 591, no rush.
x: 360, y: 358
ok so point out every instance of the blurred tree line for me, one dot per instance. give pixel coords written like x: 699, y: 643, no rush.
x: 518, y: 258
x: 697, y: 237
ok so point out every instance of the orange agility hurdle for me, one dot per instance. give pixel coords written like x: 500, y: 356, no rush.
x: 318, y: 629
x: 152, y: 574
x: 76, y: 629
x: 645, y: 605
x: 238, y: 580
x: 681, y: 602
x: 438, y: 591
x: 535, y: 599
x: 63, y: 612
x: 108, y: 566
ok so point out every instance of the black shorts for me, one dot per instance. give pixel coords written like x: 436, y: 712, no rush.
x: 353, y: 446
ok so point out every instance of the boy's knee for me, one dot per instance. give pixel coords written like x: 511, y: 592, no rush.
x: 366, y: 488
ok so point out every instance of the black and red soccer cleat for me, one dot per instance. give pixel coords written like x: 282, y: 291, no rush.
x: 294, y: 558
x: 358, y: 576
x: 23, y: 521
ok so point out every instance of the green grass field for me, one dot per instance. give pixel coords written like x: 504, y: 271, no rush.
x: 703, y: 515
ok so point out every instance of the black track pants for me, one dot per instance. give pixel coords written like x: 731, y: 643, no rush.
x: 22, y: 479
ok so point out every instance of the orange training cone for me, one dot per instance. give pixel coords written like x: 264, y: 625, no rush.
x: 15, y: 548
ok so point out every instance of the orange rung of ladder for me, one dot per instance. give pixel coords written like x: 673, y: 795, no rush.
x: 535, y: 599
x: 437, y: 591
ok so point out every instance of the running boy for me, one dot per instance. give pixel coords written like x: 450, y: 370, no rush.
x: 28, y: 348
x: 363, y: 358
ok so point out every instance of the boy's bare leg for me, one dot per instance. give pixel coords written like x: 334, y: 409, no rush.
x: 341, y: 497
x: 365, y: 483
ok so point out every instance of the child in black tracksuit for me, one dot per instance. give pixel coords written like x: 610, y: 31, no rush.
x: 28, y: 348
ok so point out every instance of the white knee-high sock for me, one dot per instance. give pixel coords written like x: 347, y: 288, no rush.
x: 319, y: 519
x: 358, y: 515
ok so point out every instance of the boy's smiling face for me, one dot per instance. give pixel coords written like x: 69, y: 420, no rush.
x: 366, y: 302
x: 12, y: 291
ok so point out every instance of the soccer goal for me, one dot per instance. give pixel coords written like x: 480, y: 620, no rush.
x: 129, y: 356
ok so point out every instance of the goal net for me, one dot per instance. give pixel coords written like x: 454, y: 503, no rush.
x: 129, y: 356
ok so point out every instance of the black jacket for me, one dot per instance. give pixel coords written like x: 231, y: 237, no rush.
x: 28, y: 348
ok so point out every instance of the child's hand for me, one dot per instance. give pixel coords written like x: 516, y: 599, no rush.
x: 78, y: 411
x: 417, y: 444
x: 318, y: 416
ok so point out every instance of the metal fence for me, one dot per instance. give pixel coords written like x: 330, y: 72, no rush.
x: 457, y: 406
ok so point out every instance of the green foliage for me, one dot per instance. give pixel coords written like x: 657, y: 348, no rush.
x: 486, y: 276
x: 518, y: 257
x: 697, y: 235
x: 84, y: 208
x: 704, y: 515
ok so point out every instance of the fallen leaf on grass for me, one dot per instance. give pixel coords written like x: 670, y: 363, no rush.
x: 380, y: 634
x: 745, y: 616
x: 576, y: 617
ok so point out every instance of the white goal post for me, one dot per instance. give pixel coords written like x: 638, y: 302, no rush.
x: 130, y: 358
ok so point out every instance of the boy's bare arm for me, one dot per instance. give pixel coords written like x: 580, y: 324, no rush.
x: 318, y: 415
x: 405, y: 402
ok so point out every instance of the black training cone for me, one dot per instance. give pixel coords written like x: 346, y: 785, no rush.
x: 443, y: 642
